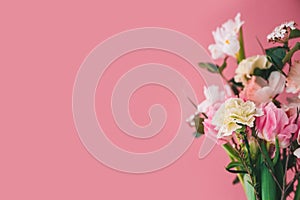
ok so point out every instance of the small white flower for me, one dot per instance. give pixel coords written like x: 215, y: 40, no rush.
x: 247, y: 66
x: 212, y: 95
x: 226, y: 39
x: 281, y: 33
x: 232, y: 113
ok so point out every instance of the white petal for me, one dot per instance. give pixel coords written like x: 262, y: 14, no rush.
x: 276, y: 82
x: 216, y: 51
x: 297, y: 153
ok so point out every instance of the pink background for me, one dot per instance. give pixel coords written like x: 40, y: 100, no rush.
x: 42, y: 46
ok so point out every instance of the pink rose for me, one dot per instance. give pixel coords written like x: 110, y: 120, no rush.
x: 275, y: 123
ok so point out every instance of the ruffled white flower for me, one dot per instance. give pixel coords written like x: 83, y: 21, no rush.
x: 247, y: 66
x: 226, y: 39
x: 281, y: 33
x: 293, y: 79
x: 233, y: 113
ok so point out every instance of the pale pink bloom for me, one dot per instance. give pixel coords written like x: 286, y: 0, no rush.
x: 293, y: 79
x: 275, y: 124
x: 261, y: 91
x: 209, y: 128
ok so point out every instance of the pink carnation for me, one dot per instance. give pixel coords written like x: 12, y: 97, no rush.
x: 275, y: 123
x: 209, y: 128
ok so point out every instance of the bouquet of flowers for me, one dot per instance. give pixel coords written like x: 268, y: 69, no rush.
x: 256, y: 118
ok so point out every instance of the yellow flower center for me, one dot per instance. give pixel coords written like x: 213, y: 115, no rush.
x: 227, y: 41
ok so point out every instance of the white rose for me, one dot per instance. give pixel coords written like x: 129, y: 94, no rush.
x: 247, y: 66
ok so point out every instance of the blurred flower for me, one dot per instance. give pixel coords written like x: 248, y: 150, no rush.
x: 261, y: 91
x: 293, y: 79
x: 234, y: 113
x: 275, y: 124
x: 226, y: 39
x: 191, y: 120
x: 213, y: 94
x: 281, y: 33
x: 247, y: 66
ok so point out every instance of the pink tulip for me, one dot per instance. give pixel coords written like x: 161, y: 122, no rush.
x: 275, y: 124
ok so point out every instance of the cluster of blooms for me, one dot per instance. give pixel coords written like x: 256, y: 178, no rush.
x: 281, y: 33
x: 249, y: 105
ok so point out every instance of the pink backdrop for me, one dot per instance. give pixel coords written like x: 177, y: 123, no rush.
x: 42, y: 47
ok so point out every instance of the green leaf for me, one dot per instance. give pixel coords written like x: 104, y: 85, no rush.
x: 277, y: 152
x: 236, y: 83
x: 241, y: 130
x: 235, y: 167
x: 276, y: 55
x: 197, y: 135
x: 235, y: 90
x: 223, y: 66
x: 268, y: 185
x: 297, y: 193
x: 236, y: 180
x: 266, y: 156
x: 249, y: 189
x: 264, y: 73
x: 290, y: 54
x: 294, y: 34
x: 279, y: 176
x: 199, y: 125
x: 236, y: 171
x: 210, y: 67
x: 234, y: 164
x: 231, y: 151
x: 241, y: 54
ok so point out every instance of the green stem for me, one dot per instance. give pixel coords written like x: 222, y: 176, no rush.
x: 241, y: 53
x: 284, y: 176
x: 250, y: 171
x: 297, y: 192
x: 268, y: 162
x: 289, y: 55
